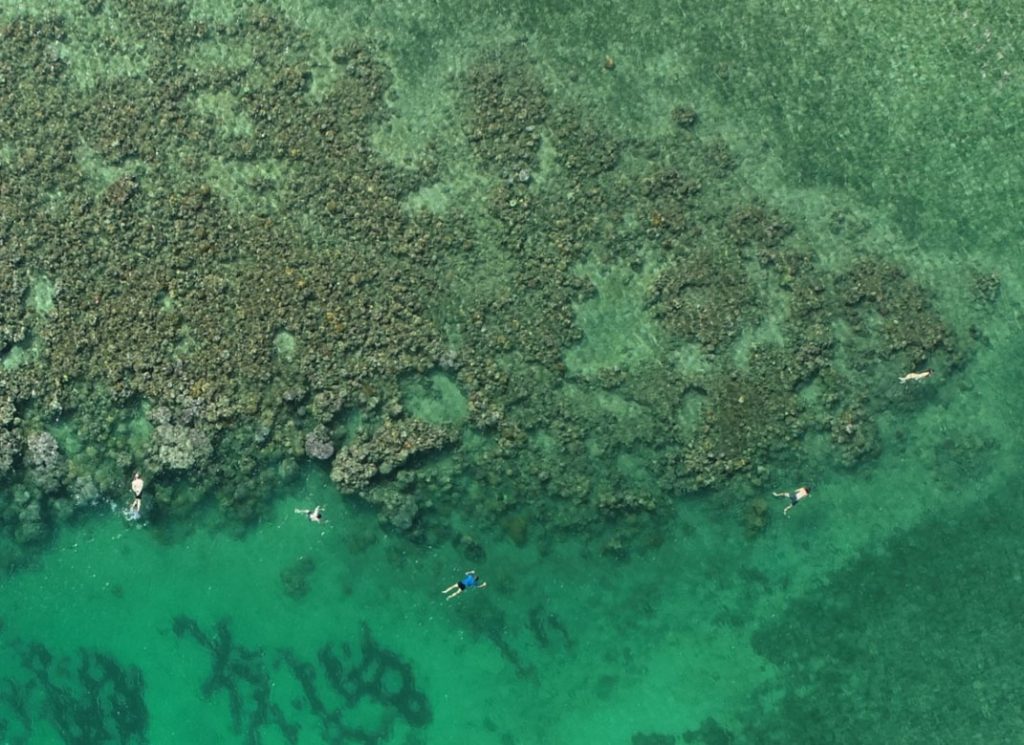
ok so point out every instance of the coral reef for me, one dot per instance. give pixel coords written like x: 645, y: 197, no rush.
x: 23, y: 510
x: 241, y: 674
x: 10, y: 447
x: 86, y: 698
x: 215, y: 263
x: 180, y: 448
x: 339, y: 680
x: 395, y: 508
x: 44, y: 460
x: 385, y: 450
x: 710, y: 732
x: 318, y: 444
x: 651, y: 738
x: 295, y: 578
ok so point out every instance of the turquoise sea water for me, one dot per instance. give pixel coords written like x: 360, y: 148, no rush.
x: 887, y: 608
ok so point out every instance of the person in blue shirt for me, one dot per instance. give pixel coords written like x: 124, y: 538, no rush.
x: 466, y: 583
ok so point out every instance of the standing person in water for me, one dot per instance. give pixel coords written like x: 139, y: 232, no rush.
x: 135, y: 508
x: 466, y: 583
x: 800, y: 493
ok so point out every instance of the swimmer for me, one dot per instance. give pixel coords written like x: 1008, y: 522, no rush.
x: 916, y: 375
x: 794, y: 496
x: 315, y: 515
x: 466, y: 583
x: 137, y: 484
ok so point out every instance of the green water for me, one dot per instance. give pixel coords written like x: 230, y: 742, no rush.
x: 886, y: 608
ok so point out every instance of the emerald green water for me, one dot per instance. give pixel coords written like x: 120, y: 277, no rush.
x: 886, y: 609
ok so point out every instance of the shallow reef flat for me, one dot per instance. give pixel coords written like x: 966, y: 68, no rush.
x: 559, y: 291
x: 217, y: 271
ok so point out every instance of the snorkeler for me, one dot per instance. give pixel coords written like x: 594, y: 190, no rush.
x: 466, y: 583
x: 315, y: 515
x: 794, y: 496
x: 916, y: 375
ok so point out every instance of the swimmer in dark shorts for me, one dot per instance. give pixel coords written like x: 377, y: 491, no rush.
x: 466, y: 583
x: 794, y: 496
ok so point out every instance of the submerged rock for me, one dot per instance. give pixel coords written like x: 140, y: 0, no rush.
x: 387, y: 449
x: 395, y: 508
x: 318, y: 444
x: 179, y: 447
x: 9, y: 448
x: 44, y: 459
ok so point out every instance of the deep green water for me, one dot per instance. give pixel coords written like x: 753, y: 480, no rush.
x: 887, y: 609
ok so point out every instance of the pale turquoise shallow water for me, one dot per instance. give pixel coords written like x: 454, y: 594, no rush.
x: 885, y: 610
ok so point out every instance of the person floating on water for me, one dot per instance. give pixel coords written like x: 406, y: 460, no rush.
x: 793, y: 496
x: 134, y: 510
x: 315, y: 515
x: 466, y: 583
x: 916, y: 375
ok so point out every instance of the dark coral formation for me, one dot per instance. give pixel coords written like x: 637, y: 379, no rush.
x: 241, y: 674
x: 295, y: 577
x: 547, y: 628
x: 86, y: 698
x: 710, y: 733
x: 376, y: 674
x: 339, y: 681
x: 652, y: 738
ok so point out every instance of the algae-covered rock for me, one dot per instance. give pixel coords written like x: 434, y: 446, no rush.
x: 385, y: 450
x: 8, y: 412
x: 395, y: 508
x: 318, y: 444
x: 30, y: 527
x: 44, y: 459
x: 179, y: 447
x: 9, y: 449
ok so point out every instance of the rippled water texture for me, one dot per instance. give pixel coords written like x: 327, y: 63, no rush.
x: 557, y: 292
